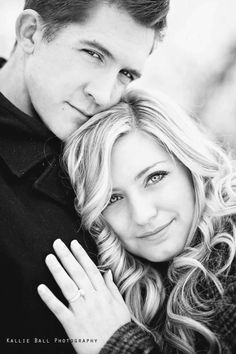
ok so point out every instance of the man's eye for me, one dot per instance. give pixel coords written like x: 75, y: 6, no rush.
x: 93, y: 54
x: 127, y: 74
x: 114, y: 198
x: 156, y: 177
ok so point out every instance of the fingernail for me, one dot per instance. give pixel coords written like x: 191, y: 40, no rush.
x: 59, y: 244
x: 58, y: 241
x: 41, y: 288
x: 75, y: 243
x: 50, y: 258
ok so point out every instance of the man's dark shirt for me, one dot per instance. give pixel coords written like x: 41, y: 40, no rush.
x: 36, y: 207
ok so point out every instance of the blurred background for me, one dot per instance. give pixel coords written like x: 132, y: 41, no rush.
x: 195, y: 64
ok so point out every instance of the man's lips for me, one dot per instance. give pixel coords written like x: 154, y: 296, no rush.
x: 157, y: 230
x: 86, y: 116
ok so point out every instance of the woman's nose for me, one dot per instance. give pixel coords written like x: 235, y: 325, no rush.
x: 143, y: 211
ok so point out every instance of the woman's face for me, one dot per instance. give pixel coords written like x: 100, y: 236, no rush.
x: 152, y: 203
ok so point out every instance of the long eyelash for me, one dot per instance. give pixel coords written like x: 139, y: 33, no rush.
x: 157, y: 173
x: 109, y: 203
x: 164, y: 173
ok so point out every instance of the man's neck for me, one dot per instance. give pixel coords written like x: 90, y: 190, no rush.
x: 12, y: 84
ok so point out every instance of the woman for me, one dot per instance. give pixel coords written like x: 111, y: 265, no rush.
x: 159, y: 197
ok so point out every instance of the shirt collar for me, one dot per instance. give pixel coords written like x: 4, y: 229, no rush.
x: 25, y: 141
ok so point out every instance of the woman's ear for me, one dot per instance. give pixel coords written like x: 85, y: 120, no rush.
x: 28, y: 30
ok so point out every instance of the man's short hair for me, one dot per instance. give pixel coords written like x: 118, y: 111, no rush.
x: 58, y: 13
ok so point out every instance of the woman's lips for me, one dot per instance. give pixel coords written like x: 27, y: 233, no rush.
x: 156, y: 231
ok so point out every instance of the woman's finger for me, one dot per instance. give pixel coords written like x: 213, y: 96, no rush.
x: 112, y: 287
x: 66, y: 284
x: 56, y: 306
x: 89, y: 267
x: 72, y: 266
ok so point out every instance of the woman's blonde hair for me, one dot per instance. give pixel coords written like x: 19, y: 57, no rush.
x: 210, y: 247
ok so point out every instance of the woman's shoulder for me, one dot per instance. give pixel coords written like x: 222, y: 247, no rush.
x: 225, y: 318
x: 128, y: 339
x: 230, y: 283
x: 228, y: 279
x: 232, y: 271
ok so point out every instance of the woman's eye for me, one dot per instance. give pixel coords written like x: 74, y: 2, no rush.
x: 114, y: 198
x: 127, y: 74
x: 156, y: 177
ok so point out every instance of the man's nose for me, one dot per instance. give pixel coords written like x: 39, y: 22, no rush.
x: 105, y: 91
x: 143, y: 211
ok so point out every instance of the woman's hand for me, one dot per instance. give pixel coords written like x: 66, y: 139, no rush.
x: 96, y: 308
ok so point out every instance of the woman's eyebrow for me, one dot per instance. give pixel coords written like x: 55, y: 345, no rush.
x: 147, y: 168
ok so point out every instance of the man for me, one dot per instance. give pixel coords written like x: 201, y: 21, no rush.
x: 72, y: 59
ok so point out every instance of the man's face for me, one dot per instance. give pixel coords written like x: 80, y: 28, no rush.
x: 86, y: 68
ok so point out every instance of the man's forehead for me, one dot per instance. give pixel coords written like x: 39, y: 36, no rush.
x: 110, y: 25
x: 115, y: 34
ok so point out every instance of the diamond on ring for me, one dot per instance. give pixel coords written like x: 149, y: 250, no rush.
x: 80, y: 293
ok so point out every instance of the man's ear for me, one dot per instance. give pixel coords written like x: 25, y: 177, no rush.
x: 28, y: 30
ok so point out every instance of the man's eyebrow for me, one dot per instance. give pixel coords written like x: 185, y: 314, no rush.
x: 147, y: 169
x: 96, y: 45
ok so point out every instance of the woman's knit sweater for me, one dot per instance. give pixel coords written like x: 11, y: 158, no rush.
x: 131, y: 339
